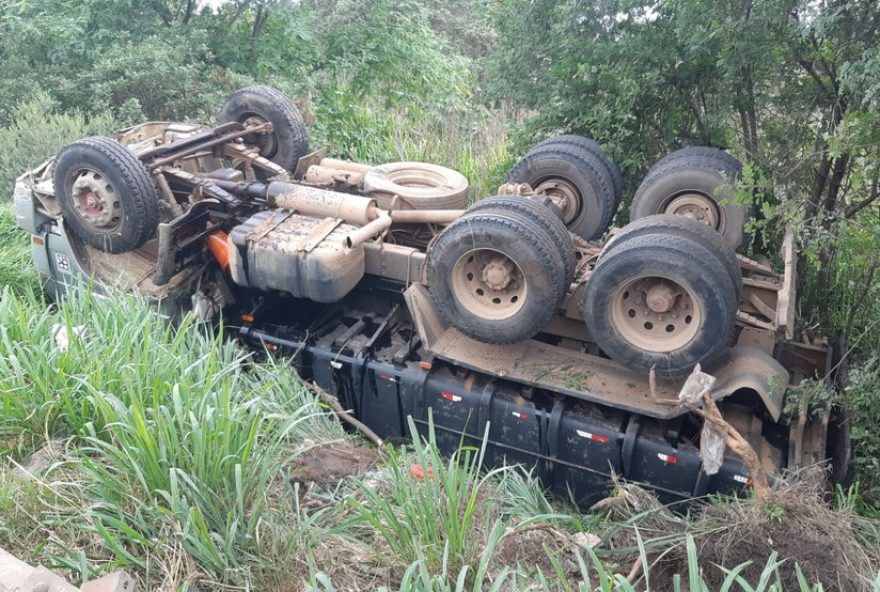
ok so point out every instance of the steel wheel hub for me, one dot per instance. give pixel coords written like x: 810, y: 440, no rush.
x: 563, y: 194
x: 696, y: 206
x: 267, y: 143
x: 95, y: 200
x: 489, y: 284
x: 656, y: 314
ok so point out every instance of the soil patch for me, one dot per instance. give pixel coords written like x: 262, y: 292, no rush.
x: 333, y: 462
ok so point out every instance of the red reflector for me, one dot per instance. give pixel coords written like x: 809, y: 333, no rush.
x: 36, y: 240
x: 594, y: 437
x: 742, y: 479
x: 450, y: 397
x: 669, y: 459
x: 419, y: 473
x: 520, y: 415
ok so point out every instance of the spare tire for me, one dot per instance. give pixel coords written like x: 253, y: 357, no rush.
x: 541, y: 214
x: 701, y: 187
x: 288, y: 141
x: 592, y: 148
x: 495, y: 277
x: 108, y: 198
x: 580, y: 185
x: 417, y: 186
x: 661, y: 301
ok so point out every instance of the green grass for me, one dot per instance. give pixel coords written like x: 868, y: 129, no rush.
x: 16, y: 270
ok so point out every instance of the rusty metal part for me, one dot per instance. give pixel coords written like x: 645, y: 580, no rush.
x: 345, y: 165
x: 521, y: 189
x: 564, y: 194
x: 380, y: 224
x: 786, y: 300
x: 250, y: 157
x: 328, y: 177
x: 308, y: 160
x: 310, y: 201
x: 168, y: 153
x: 425, y: 216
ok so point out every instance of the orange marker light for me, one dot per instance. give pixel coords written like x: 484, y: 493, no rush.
x: 218, y: 246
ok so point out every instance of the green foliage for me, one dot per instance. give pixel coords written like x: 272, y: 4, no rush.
x: 179, y: 440
x: 433, y: 518
x: 36, y: 131
x: 16, y: 271
x: 861, y: 401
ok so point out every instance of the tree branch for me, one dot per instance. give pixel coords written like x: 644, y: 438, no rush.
x: 855, y: 208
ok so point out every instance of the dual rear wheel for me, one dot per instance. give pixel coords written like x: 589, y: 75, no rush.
x: 663, y: 295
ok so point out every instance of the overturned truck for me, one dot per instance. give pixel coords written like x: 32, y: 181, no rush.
x: 522, y: 312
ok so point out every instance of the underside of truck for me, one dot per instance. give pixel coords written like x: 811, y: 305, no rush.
x: 521, y: 319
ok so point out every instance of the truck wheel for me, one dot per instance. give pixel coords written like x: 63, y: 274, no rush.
x: 727, y: 160
x: 543, y: 216
x: 107, y: 196
x: 694, y: 186
x: 669, y: 224
x: 494, y: 278
x: 417, y: 185
x: 590, y: 147
x: 579, y: 185
x: 659, y: 301
x: 253, y: 105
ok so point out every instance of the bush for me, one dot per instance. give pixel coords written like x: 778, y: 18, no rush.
x: 38, y: 129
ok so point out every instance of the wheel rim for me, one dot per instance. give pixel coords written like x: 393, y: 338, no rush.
x: 417, y: 178
x: 696, y: 206
x: 564, y: 194
x: 656, y: 314
x: 95, y: 200
x: 267, y: 143
x: 489, y: 284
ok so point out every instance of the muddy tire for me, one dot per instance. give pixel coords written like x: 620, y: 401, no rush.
x: 564, y: 173
x: 107, y: 196
x: 590, y: 147
x: 494, y: 277
x: 698, y: 185
x: 417, y: 186
x: 289, y: 139
x: 544, y: 216
x: 668, y: 224
x: 660, y: 300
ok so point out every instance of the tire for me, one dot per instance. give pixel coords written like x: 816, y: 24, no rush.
x: 288, y: 141
x: 700, y: 185
x: 668, y: 224
x: 593, y: 203
x: 590, y: 147
x: 727, y: 160
x: 529, y: 299
x: 540, y: 213
x: 108, y: 198
x: 702, y: 316
x: 419, y: 185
